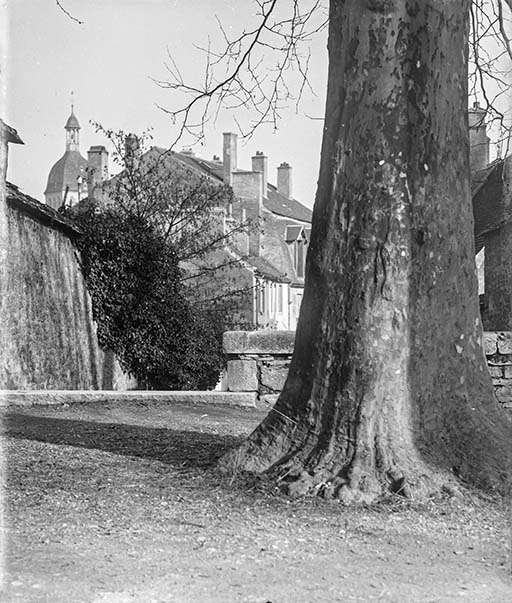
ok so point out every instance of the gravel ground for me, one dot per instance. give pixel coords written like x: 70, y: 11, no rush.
x: 120, y: 503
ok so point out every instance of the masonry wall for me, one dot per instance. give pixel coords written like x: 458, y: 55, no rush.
x: 258, y: 361
x: 498, y: 351
x: 248, y: 188
x: 48, y: 339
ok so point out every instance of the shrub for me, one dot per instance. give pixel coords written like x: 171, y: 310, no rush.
x: 139, y: 304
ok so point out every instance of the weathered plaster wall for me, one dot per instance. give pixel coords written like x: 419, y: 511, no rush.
x: 48, y: 339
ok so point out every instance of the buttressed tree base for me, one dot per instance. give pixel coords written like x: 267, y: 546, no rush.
x: 388, y: 390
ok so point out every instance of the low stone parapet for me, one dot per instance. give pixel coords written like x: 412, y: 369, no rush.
x: 258, y: 362
x: 10, y: 398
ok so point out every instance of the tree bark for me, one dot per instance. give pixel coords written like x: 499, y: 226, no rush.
x: 388, y: 390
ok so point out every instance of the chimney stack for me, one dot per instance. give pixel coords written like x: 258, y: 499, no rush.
x: 229, y: 156
x: 478, y: 139
x: 260, y: 164
x: 284, y: 180
x: 97, y: 167
x: 7, y: 135
x: 131, y: 148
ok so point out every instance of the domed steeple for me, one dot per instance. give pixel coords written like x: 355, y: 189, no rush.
x: 67, y: 179
x: 72, y: 121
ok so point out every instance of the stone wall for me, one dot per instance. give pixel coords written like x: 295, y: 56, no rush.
x: 498, y: 351
x: 258, y: 361
x: 47, y: 336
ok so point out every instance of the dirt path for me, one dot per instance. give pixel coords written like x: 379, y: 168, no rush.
x: 118, y: 504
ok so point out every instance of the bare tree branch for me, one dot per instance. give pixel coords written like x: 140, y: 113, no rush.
x: 490, y: 64
x: 252, y: 70
x: 67, y: 13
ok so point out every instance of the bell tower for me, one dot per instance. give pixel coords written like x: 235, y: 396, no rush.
x: 67, y: 178
x: 72, y: 128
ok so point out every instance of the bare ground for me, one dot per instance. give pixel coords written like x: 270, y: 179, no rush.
x: 111, y: 503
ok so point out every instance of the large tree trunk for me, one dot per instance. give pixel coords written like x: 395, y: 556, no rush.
x: 388, y: 388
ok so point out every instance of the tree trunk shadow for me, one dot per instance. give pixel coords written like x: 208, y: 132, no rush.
x: 179, y: 448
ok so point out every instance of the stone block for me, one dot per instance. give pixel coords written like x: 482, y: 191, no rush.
x: 490, y: 343
x: 273, y: 376
x: 504, y: 342
x: 507, y: 372
x: 269, y: 399
x: 504, y: 395
x: 496, y: 372
x: 259, y: 342
x: 242, y: 376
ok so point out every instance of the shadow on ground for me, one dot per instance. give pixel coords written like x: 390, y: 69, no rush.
x: 183, y: 449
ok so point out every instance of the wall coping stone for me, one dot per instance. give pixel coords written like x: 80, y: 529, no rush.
x: 272, y: 342
x: 259, y: 342
x: 52, y: 397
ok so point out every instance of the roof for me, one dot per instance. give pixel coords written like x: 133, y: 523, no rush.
x: 40, y: 212
x: 487, y: 194
x: 273, y: 201
x: 65, y: 172
x: 289, y: 208
x: 9, y: 134
x: 72, y: 121
x: 479, y: 177
x: 277, y: 264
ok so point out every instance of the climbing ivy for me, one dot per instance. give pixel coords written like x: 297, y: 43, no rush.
x: 142, y: 313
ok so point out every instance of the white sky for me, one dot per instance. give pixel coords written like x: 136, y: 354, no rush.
x: 109, y: 61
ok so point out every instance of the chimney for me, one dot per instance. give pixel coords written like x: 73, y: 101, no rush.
x: 260, y: 164
x: 131, y: 148
x: 97, y: 167
x: 284, y: 180
x: 229, y: 156
x: 8, y: 135
x: 478, y: 139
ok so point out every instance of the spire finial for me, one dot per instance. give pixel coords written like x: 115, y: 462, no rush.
x: 72, y: 101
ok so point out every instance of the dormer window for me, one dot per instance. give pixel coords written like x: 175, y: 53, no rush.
x: 297, y: 238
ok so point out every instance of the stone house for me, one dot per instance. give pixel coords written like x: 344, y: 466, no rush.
x: 269, y: 258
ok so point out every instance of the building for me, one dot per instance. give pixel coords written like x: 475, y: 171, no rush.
x: 67, y: 180
x: 270, y: 257
x: 491, y: 189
